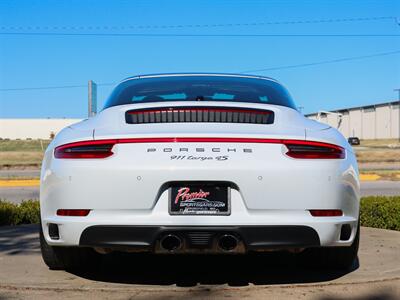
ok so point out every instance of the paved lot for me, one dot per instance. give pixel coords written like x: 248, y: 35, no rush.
x: 368, y: 188
x: 17, y: 194
x: 382, y: 187
x: 26, y: 173
x: 275, y: 276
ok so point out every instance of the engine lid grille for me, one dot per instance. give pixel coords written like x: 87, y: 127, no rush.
x: 201, y: 114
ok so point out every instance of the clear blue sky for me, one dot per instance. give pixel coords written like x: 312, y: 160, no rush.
x: 45, y: 61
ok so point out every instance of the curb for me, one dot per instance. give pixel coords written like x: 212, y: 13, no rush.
x: 20, y: 183
x: 369, y: 177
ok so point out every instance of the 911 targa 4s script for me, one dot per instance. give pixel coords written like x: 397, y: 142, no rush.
x: 199, y: 163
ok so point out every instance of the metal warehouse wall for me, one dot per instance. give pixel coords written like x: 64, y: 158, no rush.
x: 32, y: 128
x: 380, y: 121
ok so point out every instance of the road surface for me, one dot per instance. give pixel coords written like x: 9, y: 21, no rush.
x: 382, y: 187
x: 25, y: 173
x: 18, y: 194
x: 23, y: 275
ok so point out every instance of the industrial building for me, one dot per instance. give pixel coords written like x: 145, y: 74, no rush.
x: 378, y: 121
x: 32, y: 128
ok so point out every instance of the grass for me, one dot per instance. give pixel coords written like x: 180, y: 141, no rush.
x: 21, y: 158
x: 22, y: 153
x: 378, y: 151
x: 23, y: 145
x: 378, y: 156
x: 382, y: 143
x: 375, y: 211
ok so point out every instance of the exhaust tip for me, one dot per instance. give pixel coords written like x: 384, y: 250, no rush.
x: 228, y: 242
x: 171, y: 242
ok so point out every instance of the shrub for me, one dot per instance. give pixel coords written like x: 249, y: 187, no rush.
x: 380, y: 212
x: 8, y: 213
x: 27, y: 212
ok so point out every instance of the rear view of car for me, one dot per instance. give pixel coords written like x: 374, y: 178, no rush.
x: 199, y: 163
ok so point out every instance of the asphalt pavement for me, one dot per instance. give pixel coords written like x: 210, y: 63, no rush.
x: 15, y: 173
x: 380, y: 188
x: 18, y: 194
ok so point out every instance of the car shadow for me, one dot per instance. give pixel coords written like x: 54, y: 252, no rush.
x: 191, y: 270
x: 22, y: 239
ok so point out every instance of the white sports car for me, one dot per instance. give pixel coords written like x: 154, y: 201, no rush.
x: 199, y: 163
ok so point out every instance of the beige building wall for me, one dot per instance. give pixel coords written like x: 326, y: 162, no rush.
x: 32, y: 128
x: 395, y: 128
x: 355, y: 123
x: 383, y: 121
x: 368, y: 124
x: 380, y: 121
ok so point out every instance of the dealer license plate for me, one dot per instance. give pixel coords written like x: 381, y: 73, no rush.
x: 199, y: 199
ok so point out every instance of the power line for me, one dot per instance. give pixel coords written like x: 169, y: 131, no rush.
x: 194, y: 35
x: 246, y: 71
x: 323, y: 62
x: 53, y: 87
x: 178, y: 26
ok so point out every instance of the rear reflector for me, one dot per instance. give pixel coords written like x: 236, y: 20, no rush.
x: 73, y: 212
x: 296, y: 148
x: 326, y: 212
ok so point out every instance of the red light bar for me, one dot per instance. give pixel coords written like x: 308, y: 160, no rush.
x: 73, y: 212
x: 296, y: 148
x: 198, y: 140
x: 326, y: 212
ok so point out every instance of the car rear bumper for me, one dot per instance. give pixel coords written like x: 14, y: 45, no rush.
x: 199, y: 239
x: 271, y: 229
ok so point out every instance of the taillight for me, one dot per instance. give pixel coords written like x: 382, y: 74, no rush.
x: 73, y: 212
x: 313, y: 150
x: 296, y: 148
x: 86, y: 149
x: 326, y: 212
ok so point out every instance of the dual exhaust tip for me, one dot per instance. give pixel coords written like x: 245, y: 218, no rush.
x: 172, y: 242
x: 228, y: 242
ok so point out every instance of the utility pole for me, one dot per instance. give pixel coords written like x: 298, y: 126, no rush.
x: 398, y: 91
x: 92, y: 98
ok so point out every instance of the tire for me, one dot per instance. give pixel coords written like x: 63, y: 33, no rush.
x: 67, y: 258
x: 340, y: 258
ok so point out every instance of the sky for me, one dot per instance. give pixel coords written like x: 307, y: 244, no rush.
x: 47, y: 44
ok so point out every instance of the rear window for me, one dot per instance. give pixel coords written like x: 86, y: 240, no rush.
x: 200, y: 88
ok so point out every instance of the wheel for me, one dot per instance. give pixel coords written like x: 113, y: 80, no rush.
x: 341, y: 258
x: 66, y: 258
